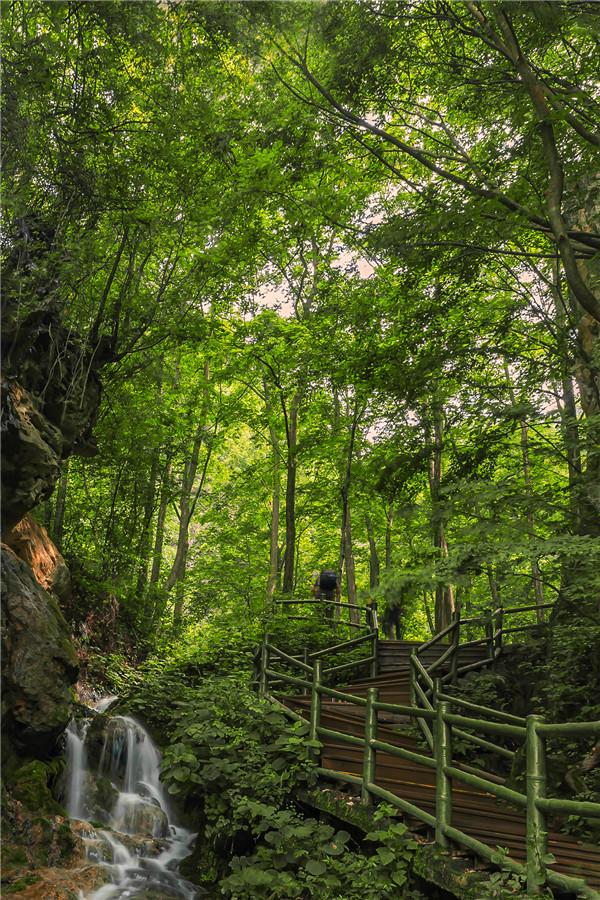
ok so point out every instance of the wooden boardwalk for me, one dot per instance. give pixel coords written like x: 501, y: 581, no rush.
x: 479, y: 814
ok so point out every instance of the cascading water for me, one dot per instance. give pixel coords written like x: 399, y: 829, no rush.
x: 143, y: 847
x: 77, y: 768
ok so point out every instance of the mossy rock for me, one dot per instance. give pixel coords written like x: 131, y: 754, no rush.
x: 22, y: 884
x: 29, y: 785
x: 67, y: 841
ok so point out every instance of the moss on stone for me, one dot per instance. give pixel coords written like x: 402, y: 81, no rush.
x: 29, y: 785
x: 20, y: 885
x: 66, y: 840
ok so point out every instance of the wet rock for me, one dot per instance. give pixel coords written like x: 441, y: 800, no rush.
x: 58, y: 884
x: 39, y: 662
x: 136, y: 817
x: 35, y: 838
x: 30, y: 542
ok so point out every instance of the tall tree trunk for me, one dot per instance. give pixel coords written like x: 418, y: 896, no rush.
x: 187, y: 504
x: 159, y: 535
x: 346, y: 557
x: 350, y: 569
x: 538, y: 590
x: 275, y: 501
x: 388, y: 537
x: 373, y: 554
x: 143, y: 553
x: 444, y: 594
x: 59, y: 511
x: 430, y: 622
x: 290, y: 492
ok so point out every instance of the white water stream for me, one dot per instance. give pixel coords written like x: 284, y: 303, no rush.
x: 143, y: 847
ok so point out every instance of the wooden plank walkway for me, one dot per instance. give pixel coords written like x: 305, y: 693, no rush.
x: 478, y: 814
x: 394, y: 655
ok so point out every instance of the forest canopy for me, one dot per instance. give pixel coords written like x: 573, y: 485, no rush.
x: 342, y: 262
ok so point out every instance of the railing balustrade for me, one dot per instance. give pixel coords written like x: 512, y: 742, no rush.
x: 444, y: 717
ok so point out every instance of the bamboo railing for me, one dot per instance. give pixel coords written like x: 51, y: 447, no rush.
x: 445, y: 718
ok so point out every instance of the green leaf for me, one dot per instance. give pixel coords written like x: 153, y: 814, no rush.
x: 315, y: 867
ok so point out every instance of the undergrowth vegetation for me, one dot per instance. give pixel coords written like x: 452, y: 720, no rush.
x: 233, y: 765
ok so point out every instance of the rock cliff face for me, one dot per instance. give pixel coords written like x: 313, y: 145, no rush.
x: 30, y: 542
x: 39, y: 662
x: 50, y: 395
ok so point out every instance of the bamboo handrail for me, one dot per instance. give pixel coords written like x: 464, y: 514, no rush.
x: 533, y: 730
x: 289, y: 659
x: 475, y: 707
x: 345, y: 645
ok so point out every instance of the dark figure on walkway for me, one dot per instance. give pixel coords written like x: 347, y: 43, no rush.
x: 390, y: 623
x: 327, y: 587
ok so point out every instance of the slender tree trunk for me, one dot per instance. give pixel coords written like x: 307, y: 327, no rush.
x: 374, y: 556
x: 179, y: 590
x: 59, y: 511
x: 275, y: 501
x: 430, y: 622
x: 346, y: 556
x: 388, y: 537
x: 290, y: 493
x: 187, y: 504
x: 535, y: 569
x: 444, y: 595
x: 160, y: 523
x: 108, y: 536
x: 143, y: 554
x: 350, y: 568
x: 538, y: 589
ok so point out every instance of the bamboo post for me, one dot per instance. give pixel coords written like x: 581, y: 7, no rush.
x: 374, y: 652
x: 489, y: 631
x: 498, y: 627
x: 412, y: 678
x: 537, y: 833
x: 315, y: 706
x: 443, y: 758
x: 306, y: 661
x: 370, y: 753
x: 263, y: 685
x: 456, y: 644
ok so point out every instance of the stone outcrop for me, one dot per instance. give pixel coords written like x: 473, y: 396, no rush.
x: 38, y: 662
x: 30, y: 542
x: 50, y: 396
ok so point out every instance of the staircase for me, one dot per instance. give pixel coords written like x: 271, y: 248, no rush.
x: 479, y: 820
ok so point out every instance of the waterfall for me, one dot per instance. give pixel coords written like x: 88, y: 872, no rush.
x: 142, y: 845
x: 76, y: 770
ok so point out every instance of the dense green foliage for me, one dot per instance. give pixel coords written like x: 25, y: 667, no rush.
x: 341, y: 262
x: 321, y: 244
x: 233, y: 764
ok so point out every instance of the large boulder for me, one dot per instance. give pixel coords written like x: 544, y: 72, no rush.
x: 39, y: 662
x: 30, y: 542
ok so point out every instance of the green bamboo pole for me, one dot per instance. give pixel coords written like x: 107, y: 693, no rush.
x: 315, y: 707
x: 370, y: 753
x: 443, y: 758
x: 455, y: 644
x: 484, y: 710
x: 263, y: 685
x: 412, y: 679
x: 374, y: 652
x: 306, y: 662
x: 537, y: 833
x: 489, y: 631
x: 498, y: 629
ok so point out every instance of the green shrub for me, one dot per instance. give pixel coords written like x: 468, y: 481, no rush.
x: 308, y: 859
